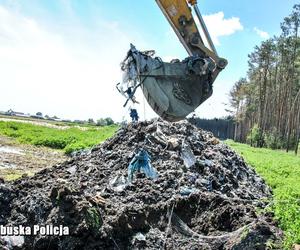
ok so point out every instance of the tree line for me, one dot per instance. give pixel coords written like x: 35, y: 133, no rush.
x: 266, y: 104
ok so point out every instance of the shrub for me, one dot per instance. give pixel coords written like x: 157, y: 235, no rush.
x: 105, y: 122
x: 253, y: 138
x: 273, y: 140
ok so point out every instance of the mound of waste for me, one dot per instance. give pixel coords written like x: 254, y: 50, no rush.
x: 154, y: 185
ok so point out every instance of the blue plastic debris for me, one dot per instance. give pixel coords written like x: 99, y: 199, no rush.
x: 141, y: 163
x: 207, y: 184
x: 210, y: 186
x: 208, y: 162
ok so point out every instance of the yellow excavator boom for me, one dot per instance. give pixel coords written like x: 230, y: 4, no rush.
x: 179, y: 14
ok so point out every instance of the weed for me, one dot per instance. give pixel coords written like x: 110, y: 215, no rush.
x: 93, y: 219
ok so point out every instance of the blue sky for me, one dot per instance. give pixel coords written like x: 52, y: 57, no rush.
x: 62, y: 56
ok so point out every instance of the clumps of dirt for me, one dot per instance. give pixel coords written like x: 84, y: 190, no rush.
x: 204, y: 196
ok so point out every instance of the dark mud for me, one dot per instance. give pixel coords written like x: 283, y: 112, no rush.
x: 212, y: 204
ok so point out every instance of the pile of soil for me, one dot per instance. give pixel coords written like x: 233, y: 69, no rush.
x: 209, y: 201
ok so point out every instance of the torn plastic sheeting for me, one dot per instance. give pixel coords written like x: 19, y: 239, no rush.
x: 138, y: 237
x: 205, y: 162
x: 118, y: 183
x: 13, y: 241
x: 72, y: 170
x: 184, y: 191
x: 141, y: 163
x: 133, y: 65
x: 187, y: 155
x: 210, y: 185
x: 193, y: 177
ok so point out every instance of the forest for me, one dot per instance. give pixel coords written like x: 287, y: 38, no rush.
x: 266, y: 103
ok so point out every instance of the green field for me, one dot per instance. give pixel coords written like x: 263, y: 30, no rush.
x: 281, y: 171
x: 68, y: 140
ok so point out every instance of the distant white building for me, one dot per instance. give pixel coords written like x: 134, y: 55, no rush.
x: 15, y: 113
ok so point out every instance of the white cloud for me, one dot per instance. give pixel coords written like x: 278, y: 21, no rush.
x: 68, y: 73
x: 214, y: 106
x: 261, y: 33
x: 70, y: 70
x: 219, y: 26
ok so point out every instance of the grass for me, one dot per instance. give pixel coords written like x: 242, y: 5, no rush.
x: 11, y: 174
x: 281, y: 171
x: 93, y: 219
x: 68, y: 140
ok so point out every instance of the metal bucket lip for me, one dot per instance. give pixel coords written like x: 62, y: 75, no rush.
x: 174, y: 96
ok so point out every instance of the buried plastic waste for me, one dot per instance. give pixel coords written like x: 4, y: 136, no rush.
x: 118, y: 183
x: 184, y: 191
x: 187, y: 155
x: 141, y: 163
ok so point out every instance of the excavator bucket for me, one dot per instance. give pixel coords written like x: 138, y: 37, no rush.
x: 174, y: 89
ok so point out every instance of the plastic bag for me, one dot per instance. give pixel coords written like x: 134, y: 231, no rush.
x: 118, y: 183
x: 141, y: 162
x: 187, y: 155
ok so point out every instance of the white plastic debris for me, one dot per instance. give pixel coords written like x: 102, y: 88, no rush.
x: 185, y: 191
x: 118, y: 183
x: 187, y: 155
x: 139, y: 237
x: 72, y: 170
x: 13, y: 241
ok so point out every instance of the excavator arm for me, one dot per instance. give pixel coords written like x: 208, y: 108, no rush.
x: 175, y: 89
x: 179, y: 15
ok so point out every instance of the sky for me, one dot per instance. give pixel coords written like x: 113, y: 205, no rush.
x: 62, y: 57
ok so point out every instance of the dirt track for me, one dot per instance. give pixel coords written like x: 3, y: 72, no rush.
x: 44, y: 123
x: 17, y: 159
